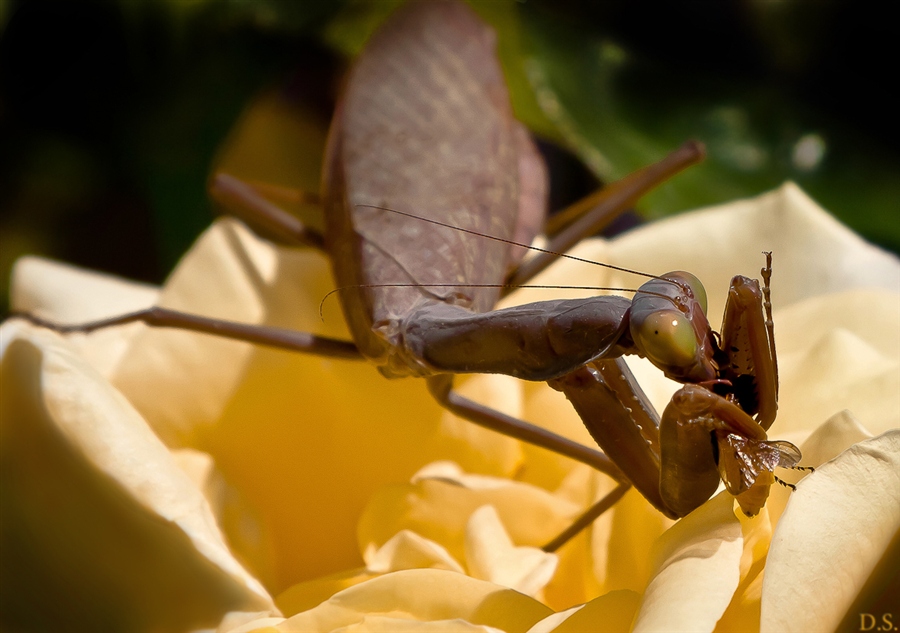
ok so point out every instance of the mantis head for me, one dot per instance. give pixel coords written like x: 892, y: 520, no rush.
x: 669, y: 327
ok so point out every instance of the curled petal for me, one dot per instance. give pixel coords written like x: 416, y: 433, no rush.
x: 833, y: 533
x: 439, y: 502
x: 628, y: 562
x: 423, y: 595
x: 613, y: 611
x: 61, y: 292
x: 98, y: 506
x: 697, y: 570
x: 492, y: 556
x: 67, y: 294
x: 408, y: 550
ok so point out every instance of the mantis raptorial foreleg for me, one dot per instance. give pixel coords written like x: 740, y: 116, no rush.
x: 706, y: 432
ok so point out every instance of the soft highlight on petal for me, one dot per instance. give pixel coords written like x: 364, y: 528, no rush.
x: 68, y: 294
x: 613, y: 611
x: 492, y: 556
x: 408, y: 550
x: 697, y: 570
x: 423, y: 595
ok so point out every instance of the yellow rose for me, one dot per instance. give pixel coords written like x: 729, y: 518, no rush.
x: 365, y: 505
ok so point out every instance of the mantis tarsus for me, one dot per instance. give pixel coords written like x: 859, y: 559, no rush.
x: 425, y: 125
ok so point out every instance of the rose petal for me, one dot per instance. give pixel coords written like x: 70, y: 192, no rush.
x: 311, y: 593
x: 383, y: 624
x: 840, y: 432
x: 226, y: 274
x: 408, y: 550
x: 831, y: 536
x: 613, y: 611
x: 550, y: 409
x: 439, y: 509
x: 423, y: 595
x: 785, y: 221
x: 93, y: 495
x: 870, y: 314
x: 245, y: 622
x: 274, y: 419
x: 492, y: 556
x: 742, y: 613
x: 836, y: 352
x: 489, y: 452
x: 234, y: 515
x: 277, y: 141
x: 697, y: 570
x: 67, y: 294
x: 837, y: 434
x: 628, y: 560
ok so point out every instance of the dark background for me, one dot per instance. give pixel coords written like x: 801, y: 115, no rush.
x: 111, y: 112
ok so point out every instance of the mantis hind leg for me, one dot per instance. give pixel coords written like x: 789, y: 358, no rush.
x: 252, y: 204
x: 588, y: 516
x: 592, y: 213
x: 279, y: 338
x: 441, y: 387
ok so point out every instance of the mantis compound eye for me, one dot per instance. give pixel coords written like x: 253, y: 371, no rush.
x: 667, y: 338
x: 693, y: 283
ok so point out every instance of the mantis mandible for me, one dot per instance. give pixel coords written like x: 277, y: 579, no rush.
x: 430, y: 190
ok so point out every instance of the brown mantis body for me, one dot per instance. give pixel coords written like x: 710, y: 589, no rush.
x: 424, y: 161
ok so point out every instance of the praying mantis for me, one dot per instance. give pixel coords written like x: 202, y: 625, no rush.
x: 431, y: 192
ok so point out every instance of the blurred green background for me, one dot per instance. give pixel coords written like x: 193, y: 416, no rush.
x: 112, y: 113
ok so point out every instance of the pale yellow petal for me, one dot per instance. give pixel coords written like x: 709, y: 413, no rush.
x: 612, y: 612
x: 69, y: 295
x: 329, y: 431
x: 814, y: 254
x: 423, y: 595
x: 438, y: 508
x: 235, y: 516
x: 840, y: 432
x: 408, y: 550
x: 837, y: 434
x: 833, y: 533
x: 487, y: 451
x: 575, y: 582
x: 277, y: 141
x: 311, y: 593
x: 382, y: 624
x: 227, y: 274
x: 93, y: 495
x: 550, y: 409
x: 247, y: 622
x: 742, y: 613
x: 697, y: 570
x: 264, y: 625
x: 551, y: 622
x: 838, y: 352
x: 870, y: 314
x: 62, y: 292
x: 492, y: 556
x: 628, y: 562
